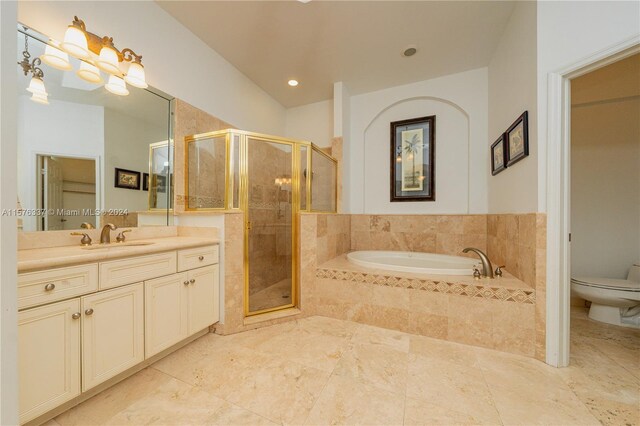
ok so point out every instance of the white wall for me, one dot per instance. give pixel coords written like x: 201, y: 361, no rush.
x: 459, y: 101
x: 176, y: 61
x: 48, y: 129
x: 567, y: 33
x: 8, y: 223
x: 312, y: 122
x: 127, y: 141
x: 605, y: 171
x: 513, y: 90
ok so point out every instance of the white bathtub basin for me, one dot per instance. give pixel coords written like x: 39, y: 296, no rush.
x: 420, y: 263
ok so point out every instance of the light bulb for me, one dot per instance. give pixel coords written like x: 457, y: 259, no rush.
x: 75, y: 42
x: 89, y: 72
x: 117, y: 86
x: 36, y: 86
x: 40, y: 98
x: 56, y: 58
x: 135, y: 75
x: 108, y: 60
x: 293, y: 83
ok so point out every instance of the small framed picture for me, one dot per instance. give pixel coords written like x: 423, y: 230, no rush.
x: 159, y: 183
x: 498, y: 156
x: 145, y: 181
x: 127, y: 179
x: 517, y: 140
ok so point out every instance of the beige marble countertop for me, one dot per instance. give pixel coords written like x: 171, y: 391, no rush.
x: 53, y: 257
x: 341, y: 263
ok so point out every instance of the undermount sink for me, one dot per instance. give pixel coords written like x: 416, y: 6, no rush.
x: 118, y: 245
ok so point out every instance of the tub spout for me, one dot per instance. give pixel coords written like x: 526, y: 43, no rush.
x: 487, y: 268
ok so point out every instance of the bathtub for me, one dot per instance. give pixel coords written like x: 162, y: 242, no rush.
x: 421, y: 263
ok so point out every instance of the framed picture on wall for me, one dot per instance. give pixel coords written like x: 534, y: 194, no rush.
x: 517, y: 136
x: 498, y: 156
x: 127, y: 179
x: 413, y: 159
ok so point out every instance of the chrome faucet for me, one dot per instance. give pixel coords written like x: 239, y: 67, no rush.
x: 105, y: 235
x: 487, y: 268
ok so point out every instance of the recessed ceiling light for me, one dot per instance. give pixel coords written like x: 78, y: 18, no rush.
x: 293, y: 83
x: 409, y: 50
x: 304, y: 1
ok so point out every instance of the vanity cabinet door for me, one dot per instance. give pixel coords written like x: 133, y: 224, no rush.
x: 204, y: 298
x: 49, y: 357
x: 112, y: 333
x: 166, y: 316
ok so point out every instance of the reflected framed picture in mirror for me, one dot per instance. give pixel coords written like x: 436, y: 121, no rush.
x: 145, y: 181
x: 127, y: 179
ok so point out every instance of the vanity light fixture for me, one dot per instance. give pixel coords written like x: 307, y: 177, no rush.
x: 36, y: 85
x: 56, y: 58
x: 292, y: 83
x: 100, y: 52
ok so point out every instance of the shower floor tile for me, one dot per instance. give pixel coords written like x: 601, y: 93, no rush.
x: 323, y: 371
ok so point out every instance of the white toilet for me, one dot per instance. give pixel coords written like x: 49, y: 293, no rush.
x: 612, y: 301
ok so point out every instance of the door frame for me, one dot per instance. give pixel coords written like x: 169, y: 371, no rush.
x: 559, y: 194
x: 97, y: 159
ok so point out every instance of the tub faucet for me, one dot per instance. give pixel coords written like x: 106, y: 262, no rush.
x: 105, y: 235
x: 487, y: 268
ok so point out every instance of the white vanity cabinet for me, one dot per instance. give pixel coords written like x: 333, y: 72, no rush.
x: 112, y: 333
x: 49, y: 357
x: 78, y: 340
x: 180, y: 305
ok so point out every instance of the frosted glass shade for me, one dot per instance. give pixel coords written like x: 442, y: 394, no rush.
x: 135, y: 76
x: 117, y: 86
x: 75, y: 42
x: 36, y: 86
x: 108, y: 60
x: 89, y: 72
x: 40, y: 98
x: 56, y: 58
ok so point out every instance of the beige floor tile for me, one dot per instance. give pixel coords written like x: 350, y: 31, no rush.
x: 376, y: 365
x: 451, y: 385
x: 419, y: 412
x: 330, y: 326
x: 439, y: 349
x: 311, y: 348
x: 346, y: 401
x: 381, y: 336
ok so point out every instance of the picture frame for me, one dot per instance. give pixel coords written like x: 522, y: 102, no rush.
x: 159, y: 183
x: 412, y: 167
x: 498, y: 155
x: 145, y: 181
x: 517, y: 138
x: 127, y: 179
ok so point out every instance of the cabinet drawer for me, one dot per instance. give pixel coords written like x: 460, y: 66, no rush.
x: 197, y: 257
x: 37, y: 288
x: 127, y: 271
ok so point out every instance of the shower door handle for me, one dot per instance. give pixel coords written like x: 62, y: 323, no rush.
x: 248, y: 226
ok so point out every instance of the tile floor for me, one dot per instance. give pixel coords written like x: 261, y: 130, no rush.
x: 322, y: 371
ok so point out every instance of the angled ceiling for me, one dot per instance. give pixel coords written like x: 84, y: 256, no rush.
x: 357, y: 42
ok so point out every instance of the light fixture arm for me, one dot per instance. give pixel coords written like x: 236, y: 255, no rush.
x: 129, y: 55
x: 27, y: 65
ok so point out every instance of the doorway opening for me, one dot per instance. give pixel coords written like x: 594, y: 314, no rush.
x: 66, y: 189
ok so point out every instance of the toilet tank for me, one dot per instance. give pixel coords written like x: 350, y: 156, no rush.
x: 634, y: 273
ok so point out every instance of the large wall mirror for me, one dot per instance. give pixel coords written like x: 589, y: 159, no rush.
x: 90, y: 155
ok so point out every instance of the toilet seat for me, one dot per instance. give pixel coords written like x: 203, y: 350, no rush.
x: 608, y: 283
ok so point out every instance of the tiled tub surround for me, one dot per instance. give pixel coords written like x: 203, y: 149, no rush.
x: 497, y: 314
x: 508, y: 314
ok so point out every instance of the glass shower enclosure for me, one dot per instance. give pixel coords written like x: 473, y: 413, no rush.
x: 271, y: 179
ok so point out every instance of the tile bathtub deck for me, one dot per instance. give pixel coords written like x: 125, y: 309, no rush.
x: 320, y: 371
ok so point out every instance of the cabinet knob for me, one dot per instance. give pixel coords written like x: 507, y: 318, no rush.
x: 200, y: 258
x: 76, y: 315
x: 89, y: 311
x: 192, y: 280
x: 49, y: 287
x: 186, y: 282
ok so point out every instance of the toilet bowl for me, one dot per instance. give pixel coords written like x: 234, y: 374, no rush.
x: 613, y: 301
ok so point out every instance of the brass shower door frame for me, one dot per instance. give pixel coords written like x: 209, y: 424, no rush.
x: 295, y: 214
x: 243, y: 196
